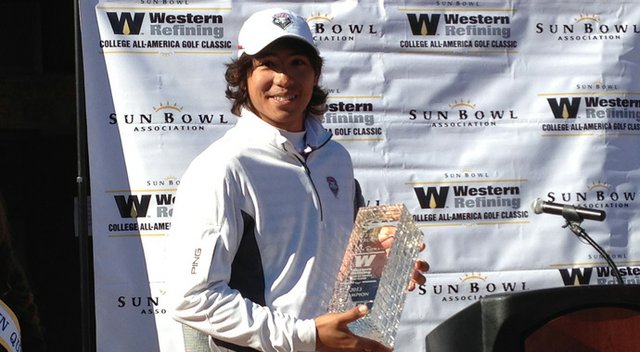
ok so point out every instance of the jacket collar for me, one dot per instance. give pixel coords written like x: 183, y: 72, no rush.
x: 316, y: 136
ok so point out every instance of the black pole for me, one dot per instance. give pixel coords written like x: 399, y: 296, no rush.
x: 86, y: 291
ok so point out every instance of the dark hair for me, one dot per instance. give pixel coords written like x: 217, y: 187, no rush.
x: 239, y: 69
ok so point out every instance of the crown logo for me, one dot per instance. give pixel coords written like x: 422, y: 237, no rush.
x: 317, y: 17
x: 462, y: 104
x: 587, y: 18
x: 599, y: 185
x: 473, y: 276
x: 168, y: 106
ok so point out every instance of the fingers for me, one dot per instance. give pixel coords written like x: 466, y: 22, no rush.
x: 369, y: 345
x: 417, y: 276
x: 353, y: 314
x: 421, y: 266
x: 333, y: 334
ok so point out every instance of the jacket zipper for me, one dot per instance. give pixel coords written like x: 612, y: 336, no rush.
x: 315, y: 190
x: 303, y: 162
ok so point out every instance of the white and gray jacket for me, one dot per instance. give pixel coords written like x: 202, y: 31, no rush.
x: 258, y: 232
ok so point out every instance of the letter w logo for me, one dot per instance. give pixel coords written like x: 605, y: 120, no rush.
x: 125, y: 24
x: 423, y: 25
x: 364, y: 260
x: 576, y: 276
x: 433, y: 198
x: 132, y: 207
x: 564, y: 109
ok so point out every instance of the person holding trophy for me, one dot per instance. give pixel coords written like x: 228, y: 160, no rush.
x: 263, y: 216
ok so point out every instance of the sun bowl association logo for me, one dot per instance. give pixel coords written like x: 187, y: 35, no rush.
x: 167, y: 117
x: 470, y: 288
x: 462, y: 113
x: 144, y: 305
x: 598, y: 195
x: 587, y: 28
x: 326, y: 28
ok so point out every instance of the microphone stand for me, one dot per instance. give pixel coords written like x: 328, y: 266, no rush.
x: 573, y: 223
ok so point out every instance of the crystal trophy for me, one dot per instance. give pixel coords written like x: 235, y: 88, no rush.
x: 376, y: 270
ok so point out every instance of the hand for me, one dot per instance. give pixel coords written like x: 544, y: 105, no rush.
x: 386, y: 235
x: 333, y: 335
x: 417, y: 277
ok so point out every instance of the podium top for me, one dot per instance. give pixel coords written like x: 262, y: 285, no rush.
x: 501, y: 322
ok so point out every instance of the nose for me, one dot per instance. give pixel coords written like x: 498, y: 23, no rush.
x: 283, y: 79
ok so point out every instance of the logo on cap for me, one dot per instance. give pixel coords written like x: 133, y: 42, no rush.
x: 282, y: 20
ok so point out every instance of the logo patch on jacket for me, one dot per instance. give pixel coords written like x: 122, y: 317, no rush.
x: 282, y: 20
x: 333, y: 186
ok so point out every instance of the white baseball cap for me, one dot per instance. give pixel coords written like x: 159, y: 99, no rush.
x: 264, y: 27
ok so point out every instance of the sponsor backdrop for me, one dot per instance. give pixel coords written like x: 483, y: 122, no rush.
x: 466, y: 111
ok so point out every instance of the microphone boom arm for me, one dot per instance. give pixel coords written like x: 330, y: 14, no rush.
x: 573, y: 223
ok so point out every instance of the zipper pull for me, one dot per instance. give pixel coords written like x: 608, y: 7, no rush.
x: 306, y: 151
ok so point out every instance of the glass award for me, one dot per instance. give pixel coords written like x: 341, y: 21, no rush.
x: 376, y: 270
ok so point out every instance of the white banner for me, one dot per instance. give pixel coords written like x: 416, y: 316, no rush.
x: 466, y: 111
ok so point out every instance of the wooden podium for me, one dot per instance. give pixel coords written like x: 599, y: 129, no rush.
x: 566, y: 319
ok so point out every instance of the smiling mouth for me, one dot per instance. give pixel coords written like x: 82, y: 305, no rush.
x: 283, y: 97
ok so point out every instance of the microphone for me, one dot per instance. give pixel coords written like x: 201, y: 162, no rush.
x: 539, y: 206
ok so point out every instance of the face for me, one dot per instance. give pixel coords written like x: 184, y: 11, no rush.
x: 280, y: 86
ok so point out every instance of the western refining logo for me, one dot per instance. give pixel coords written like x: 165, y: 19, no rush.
x: 596, y: 113
x: 187, y: 26
x: 127, y: 23
x: 603, y: 275
x: 462, y: 31
x: 470, y: 202
x: 135, y: 207
x: 351, y: 119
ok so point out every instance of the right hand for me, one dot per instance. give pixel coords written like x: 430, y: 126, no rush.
x: 333, y: 335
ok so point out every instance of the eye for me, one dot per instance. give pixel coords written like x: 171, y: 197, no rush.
x: 264, y: 62
x: 300, y: 60
x: 267, y: 63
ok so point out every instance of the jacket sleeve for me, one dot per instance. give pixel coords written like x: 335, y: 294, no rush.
x: 206, y: 231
